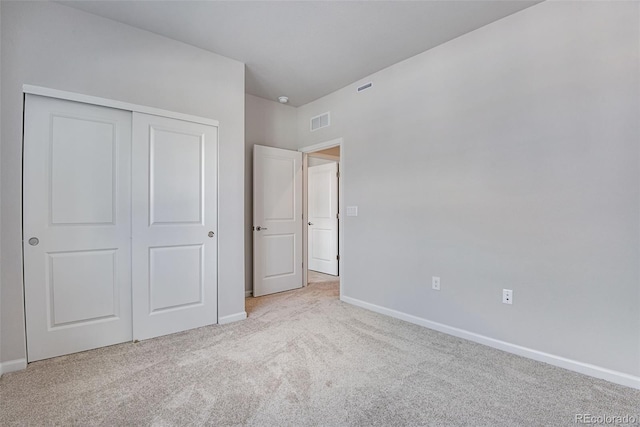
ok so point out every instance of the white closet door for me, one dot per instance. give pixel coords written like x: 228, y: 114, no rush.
x: 174, y: 225
x: 76, y: 192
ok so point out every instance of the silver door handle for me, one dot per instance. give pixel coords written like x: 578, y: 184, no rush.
x: 211, y: 234
x: 258, y: 228
x: 34, y: 241
x: 310, y: 223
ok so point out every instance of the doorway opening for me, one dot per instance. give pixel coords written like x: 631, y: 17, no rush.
x: 322, y: 205
x: 281, y: 221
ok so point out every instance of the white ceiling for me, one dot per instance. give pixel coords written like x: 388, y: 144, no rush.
x: 307, y: 49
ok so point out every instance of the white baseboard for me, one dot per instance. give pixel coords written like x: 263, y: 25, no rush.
x: 13, y: 365
x: 562, y: 362
x: 232, y: 318
x: 248, y: 293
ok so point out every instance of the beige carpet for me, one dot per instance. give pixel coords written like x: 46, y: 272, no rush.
x: 303, y: 358
x: 317, y: 277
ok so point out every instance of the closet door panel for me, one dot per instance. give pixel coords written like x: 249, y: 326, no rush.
x: 174, y: 225
x: 77, y: 226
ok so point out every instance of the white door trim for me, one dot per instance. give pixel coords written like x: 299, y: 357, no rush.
x: 338, y: 142
x: 104, y: 102
x: 322, y: 145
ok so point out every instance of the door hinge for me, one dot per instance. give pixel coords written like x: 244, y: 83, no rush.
x: 338, y: 257
x: 338, y: 215
x: 338, y: 174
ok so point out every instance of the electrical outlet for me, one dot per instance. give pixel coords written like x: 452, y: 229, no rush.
x: 507, y: 296
x: 435, y: 283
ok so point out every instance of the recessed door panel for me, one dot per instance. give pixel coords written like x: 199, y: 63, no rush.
x: 176, y: 176
x: 174, y: 225
x: 83, y: 286
x: 175, y: 278
x: 82, y: 170
x: 278, y: 187
x: 279, y: 255
x: 321, y: 244
x: 321, y: 203
x: 77, y: 226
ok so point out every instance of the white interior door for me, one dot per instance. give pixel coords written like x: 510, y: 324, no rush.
x: 76, y: 225
x: 277, y: 220
x: 323, y: 218
x: 174, y: 225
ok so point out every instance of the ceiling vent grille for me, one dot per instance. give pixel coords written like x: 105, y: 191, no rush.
x: 321, y: 121
x: 365, y: 87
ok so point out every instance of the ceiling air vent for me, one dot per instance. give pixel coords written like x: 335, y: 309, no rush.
x: 365, y: 87
x: 319, y: 122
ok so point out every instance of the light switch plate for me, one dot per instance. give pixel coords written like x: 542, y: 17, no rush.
x: 352, y: 211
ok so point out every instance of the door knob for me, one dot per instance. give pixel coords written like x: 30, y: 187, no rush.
x: 310, y: 223
x: 258, y: 228
x: 34, y: 241
x: 211, y: 234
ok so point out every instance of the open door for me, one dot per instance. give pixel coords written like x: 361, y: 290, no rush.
x: 323, y: 218
x: 277, y: 220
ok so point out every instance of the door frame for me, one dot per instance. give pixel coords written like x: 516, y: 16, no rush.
x: 338, y: 142
x: 120, y: 105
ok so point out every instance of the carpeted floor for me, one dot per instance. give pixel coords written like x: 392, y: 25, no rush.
x: 303, y: 358
x: 317, y: 277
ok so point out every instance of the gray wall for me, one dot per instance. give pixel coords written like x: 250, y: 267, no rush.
x: 51, y: 45
x: 266, y: 123
x: 506, y: 158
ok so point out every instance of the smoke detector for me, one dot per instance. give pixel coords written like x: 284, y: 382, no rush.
x: 283, y: 99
